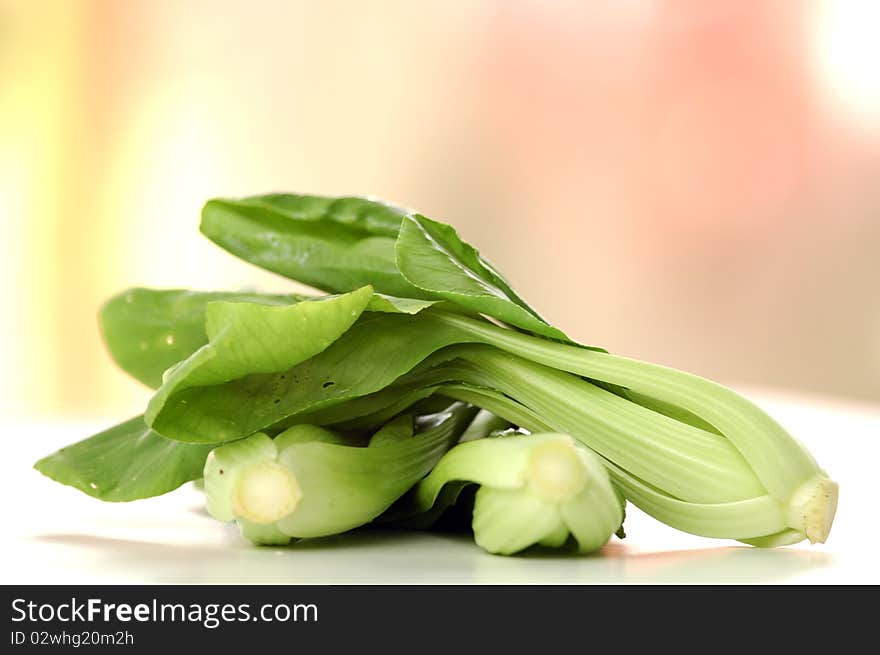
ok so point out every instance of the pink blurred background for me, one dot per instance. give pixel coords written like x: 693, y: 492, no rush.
x: 693, y: 183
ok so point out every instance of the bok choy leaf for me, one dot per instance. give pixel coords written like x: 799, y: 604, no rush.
x: 126, y: 462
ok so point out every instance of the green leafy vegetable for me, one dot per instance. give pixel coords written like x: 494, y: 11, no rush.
x: 433, y: 258
x: 251, y: 338
x: 339, y: 244
x: 149, y: 330
x: 420, y: 318
x: 534, y: 489
x: 126, y: 462
x: 688, y: 465
x: 371, y: 355
x: 332, y: 244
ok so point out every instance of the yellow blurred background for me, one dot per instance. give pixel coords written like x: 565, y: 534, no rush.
x: 694, y: 183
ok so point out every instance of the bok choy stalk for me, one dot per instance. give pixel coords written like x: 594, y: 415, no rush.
x: 311, y: 482
x: 784, y: 468
x: 533, y: 489
x: 689, y: 478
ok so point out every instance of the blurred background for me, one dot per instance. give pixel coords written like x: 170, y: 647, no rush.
x: 694, y: 183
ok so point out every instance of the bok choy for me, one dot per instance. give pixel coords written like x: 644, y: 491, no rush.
x: 311, y: 482
x: 312, y: 415
x: 534, y: 489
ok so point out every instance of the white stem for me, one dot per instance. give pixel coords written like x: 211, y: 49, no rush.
x: 265, y: 493
x: 555, y: 471
x: 812, y: 508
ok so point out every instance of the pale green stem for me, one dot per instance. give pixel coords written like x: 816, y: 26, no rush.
x: 784, y: 467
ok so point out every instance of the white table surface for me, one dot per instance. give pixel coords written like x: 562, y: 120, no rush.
x: 55, y: 534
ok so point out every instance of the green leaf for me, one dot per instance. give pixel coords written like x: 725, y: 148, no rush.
x: 333, y: 244
x: 393, y: 305
x: 127, y: 462
x: 434, y: 258
x: 339, y: 244
x: 367, y: 411
x: 149, y: 330
x: 371, y: 355
x: 250, y: 338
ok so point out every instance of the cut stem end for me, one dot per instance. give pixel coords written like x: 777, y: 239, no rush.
x: 555, y: 471
x: 265, y: 493
x: 813, y: 507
